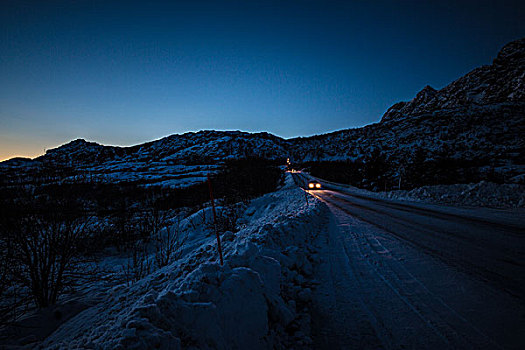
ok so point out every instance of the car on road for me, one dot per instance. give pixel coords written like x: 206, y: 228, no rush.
x: 314, y: 185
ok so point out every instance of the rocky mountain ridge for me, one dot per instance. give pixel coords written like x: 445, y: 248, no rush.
x: 480, y: 116
x: 501, y: 82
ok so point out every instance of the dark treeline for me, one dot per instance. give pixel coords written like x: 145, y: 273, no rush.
x: 378, y: 172
x: 238, y: 180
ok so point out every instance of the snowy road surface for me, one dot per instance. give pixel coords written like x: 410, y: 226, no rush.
x: 411, y: 275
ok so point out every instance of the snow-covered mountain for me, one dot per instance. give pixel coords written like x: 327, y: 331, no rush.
x: 203, y: 146
x: 502, y: 82
x: 174, y: 161
x: 480, y: 116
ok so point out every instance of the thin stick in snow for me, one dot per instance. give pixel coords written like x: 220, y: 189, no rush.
x: 215, y: 219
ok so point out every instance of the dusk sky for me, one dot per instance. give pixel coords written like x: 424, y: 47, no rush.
x: 126, y: 72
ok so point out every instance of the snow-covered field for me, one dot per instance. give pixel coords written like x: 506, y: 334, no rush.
x: 258, y: 299
x: 146, y: 173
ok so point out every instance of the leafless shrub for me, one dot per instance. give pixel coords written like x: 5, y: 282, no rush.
x: 122, y: 227
x: 138, y: 265
x: 6, y: 264
x: 12, y: 298
x: 201, y: 215
x: 47, y: 254
x: 227, y: 218
x: 150, y: 223
x: 169, y: 243
x: 166, y: 239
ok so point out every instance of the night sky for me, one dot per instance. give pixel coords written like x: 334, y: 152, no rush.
x: 127, y: 72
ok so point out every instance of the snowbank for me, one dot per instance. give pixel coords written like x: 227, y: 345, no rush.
x: 259, y: 299
x: 482, y: 194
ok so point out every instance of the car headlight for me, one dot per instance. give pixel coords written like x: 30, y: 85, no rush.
x: 317, y: 185
x: 311, y: 185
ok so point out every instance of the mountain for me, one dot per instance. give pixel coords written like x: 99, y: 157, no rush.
x: 201, y: 147
x: 479, y: 120
x: 502, y: 82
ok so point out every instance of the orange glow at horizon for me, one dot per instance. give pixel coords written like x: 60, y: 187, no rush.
x: 12, y: 149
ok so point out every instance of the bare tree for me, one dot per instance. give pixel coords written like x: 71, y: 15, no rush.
x: 138, y: 265
x: 227, y: 218
x: 6, y: 264
x: 12, y: 300
x: 152, y: 221
x: 169, y: 243
x: 122, y: 226
x: 47, y: 251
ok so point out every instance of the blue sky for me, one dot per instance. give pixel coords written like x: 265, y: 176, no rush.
x: 127, y: 72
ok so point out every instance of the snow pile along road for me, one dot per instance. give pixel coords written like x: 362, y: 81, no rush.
x: 482, y: 194
x: 259, y: 299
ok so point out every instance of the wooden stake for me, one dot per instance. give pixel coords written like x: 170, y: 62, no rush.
x: 215, y: 219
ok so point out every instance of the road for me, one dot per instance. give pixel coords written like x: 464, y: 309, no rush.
x: 411, y: 275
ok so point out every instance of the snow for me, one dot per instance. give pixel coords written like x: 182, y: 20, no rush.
x: 258, y: 299
x: 300, y: 274
x: 481, y: 194
x: 400, y: 275
x: 378, y: 291
x: 149, y: 173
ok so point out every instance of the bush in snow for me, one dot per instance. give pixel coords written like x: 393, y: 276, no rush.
x: 47, y: 251
x: 227, y: 217
x: 169, y: 243
x: 138, y: 265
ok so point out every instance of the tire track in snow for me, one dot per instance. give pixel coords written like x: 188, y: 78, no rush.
x: 439, y: 317
x: 342, y: 320
x: 455, y: 255
x: 425, y: 302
